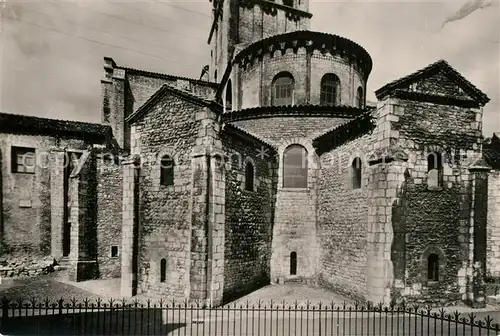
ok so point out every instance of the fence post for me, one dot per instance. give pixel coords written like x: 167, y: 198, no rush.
x: 60, y: 302
x: 5, y: 309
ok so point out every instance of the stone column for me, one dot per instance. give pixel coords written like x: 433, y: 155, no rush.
x: 57, y: 201
x: 479, y: 215
x: 131, y: 172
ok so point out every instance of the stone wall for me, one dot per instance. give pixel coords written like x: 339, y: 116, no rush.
x: 277, y: 130
x: 256, y: 79
x: 27, y: 198
x: 493, y: 245
x: 294, y: 227
x: 109, y: 217
x: 343, y: 218
x: 248, y: 217
x: 428, y: 220
x: 170, y: 128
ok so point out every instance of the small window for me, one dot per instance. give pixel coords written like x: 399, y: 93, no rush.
x: 293, y: 263
x: 163, y: 270
x: 114, y: 251
x: 282, y: 89
x: 229, y: 96
x: 23, y: 160
x: 288, y: 3
x: 215, y: 76
x: 167, y: 171
x: 249, y: 176
x: 295, y: 167
x: 434, y: 170
x: 330, y: 85
x: 359, y: 97
x: 356, y: 173
x: 433, y: 267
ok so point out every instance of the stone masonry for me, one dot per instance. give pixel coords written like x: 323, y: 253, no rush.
x: 273, y: 170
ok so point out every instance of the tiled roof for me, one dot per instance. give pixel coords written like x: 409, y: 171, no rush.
x: 344, y: 132
x: 435, y: 67
x: 162, y: 91
x: 237, y: 129
x: 166, y: 76
x: 293, y: 111
x: 23, y: 124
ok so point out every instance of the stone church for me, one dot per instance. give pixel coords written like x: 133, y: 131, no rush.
x: 271, y: 167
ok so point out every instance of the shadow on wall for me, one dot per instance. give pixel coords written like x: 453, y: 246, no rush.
x: 398, y: 246
x: 147, y: 321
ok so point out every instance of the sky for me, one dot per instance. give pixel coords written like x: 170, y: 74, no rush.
x: 51, y: 52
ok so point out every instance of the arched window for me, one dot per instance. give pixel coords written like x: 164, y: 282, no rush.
x: 293, y: 263
x: 229, y: 96
x: 288, y: 3
x: 330, y: 90
x: 359, y: 97
x: 434, y: 169
x: 433, y: 267
x: 295, y: 167
x: 163, y: 270
x: 282, y: 89
x: 249, y: 176
x: 166, y: 171
x: 356, y: 173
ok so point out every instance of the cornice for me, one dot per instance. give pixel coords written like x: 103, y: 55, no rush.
x: 325, y: 43
x: 293, y: 111
x: 271, y: 8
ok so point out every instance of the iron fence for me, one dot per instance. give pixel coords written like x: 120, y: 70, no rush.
x: 98, y: 317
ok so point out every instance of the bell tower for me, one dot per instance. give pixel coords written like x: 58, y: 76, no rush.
x: 237, y: 22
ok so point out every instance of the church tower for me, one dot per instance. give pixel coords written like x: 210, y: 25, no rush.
x: 241, y: 22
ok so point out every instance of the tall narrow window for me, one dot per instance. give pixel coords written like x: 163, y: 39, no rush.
x: 163, y: 270
x: 167, y: 171
x: 282, y: 89
x: 330, y: 90
x: 433, y: 267
x: 434, y: 169
x: 356, y: 173
x: 295, y: 167
x: 249, y: 176
x: 359, y: 97
x: 293, y: 263
x: 229, y: 96
x: 215, y: 76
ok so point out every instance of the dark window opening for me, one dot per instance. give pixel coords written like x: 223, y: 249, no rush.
x: 433, y: 267
x: 330, y: 85
x: 167, y: 171
x: 293, y: 263
x: 288, y: 3
x: 229, y: 96
x: 114, y: 251
x: 163, y: 270
x: 435, y: 169
x: 295, y: 167
x: 249, y: 176
x: 215, y: 76
x: 23, y: 160
x: 359, y: 97
x: 282, y: 89
x: 356, y: 173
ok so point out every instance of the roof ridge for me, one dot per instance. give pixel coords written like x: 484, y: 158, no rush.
x: 164, y: 75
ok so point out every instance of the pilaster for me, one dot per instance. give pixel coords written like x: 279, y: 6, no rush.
x: 57, y: 201
x: 479, y: 215
x: 131, y: 175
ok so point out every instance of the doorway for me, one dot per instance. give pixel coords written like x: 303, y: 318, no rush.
x: 293, y: 263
